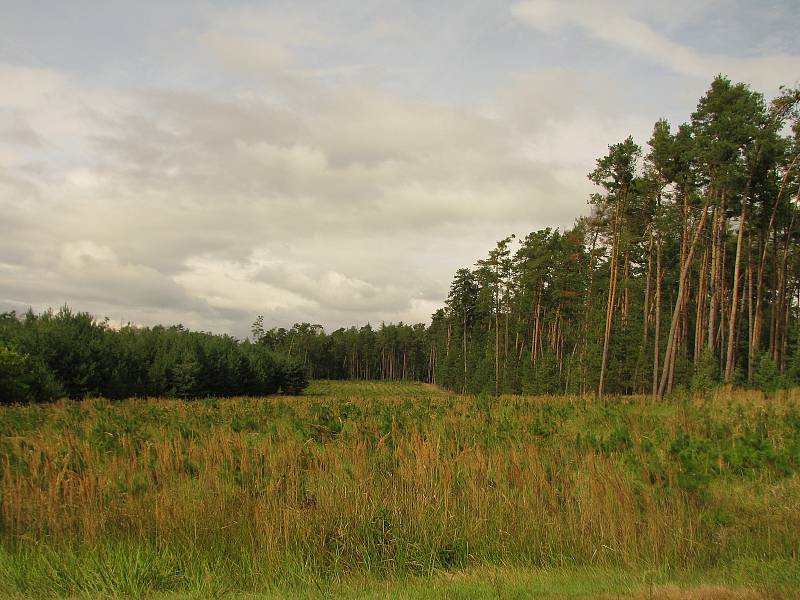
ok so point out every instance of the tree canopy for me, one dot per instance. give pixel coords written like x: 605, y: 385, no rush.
x: 684, y: 275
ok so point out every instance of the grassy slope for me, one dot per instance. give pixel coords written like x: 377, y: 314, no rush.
x: 360, y: 486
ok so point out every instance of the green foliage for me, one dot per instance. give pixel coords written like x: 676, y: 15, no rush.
x: 695, y: 459
x: 46, y: 356
x: 706, y: 373
x: 25, y: 379
x: 767, y: 377
x: 546, y: 313
x: 13, y: 375
x: 294, y: 377
x: 384, y: 480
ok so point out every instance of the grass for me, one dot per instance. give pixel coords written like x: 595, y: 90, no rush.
x: 357, y: 488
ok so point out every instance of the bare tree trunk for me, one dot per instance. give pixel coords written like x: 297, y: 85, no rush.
x: 683, y: 323
x: 722, y: 330
x: 609, y: 321
x: 626, y: 291
x: 672, y: 360
x: 762, y: 263
x: 587, y: 320
x: 505, y: 340
x: 712, y: 301
x: 717, y: 303
x: 735, y: 288
x: 612, y: 290
x: 464, y: 348
x: 749, y: 307
x: 657, y: 329
x: 673, y: 329
x: 497, y: 340
x: 784, y: 339
x: 782, y: 322
x: 646, y: 308
x: 699, y: 325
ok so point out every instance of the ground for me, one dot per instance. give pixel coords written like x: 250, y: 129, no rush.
x: 389, y: 489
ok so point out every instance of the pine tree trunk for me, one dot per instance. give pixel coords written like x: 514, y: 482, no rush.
x: 735, y: 289
x: 749, y: 307
x: 758, y: 318
x: 587, y: 319
x: 699, y: 325
x: 657, y: 324
x: 612, y: 290
x: 668, y: 367
x: 464, y: 337
x: 497, y: 341
x: 646, y: 308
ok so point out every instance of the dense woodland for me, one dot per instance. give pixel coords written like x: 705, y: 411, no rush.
x: 63, y: 353
x: 684, y: 276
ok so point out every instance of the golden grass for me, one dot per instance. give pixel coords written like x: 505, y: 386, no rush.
x: 386, y: 479
x: 698, y: 593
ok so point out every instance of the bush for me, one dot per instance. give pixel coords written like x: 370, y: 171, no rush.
x: 706, y: 373
x: 294, y: 377
x: 23, y: 379
x: 13, y: 368
x: 767, y: 377
x: 45, y: 356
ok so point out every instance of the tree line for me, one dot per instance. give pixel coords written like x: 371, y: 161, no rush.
x: 685, y: 274
x: 72, y: 354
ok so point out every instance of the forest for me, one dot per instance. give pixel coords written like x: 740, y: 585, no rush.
x: 68, y: 354
x: 683, y: 276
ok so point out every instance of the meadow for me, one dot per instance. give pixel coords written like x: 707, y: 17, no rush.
x: 369, y: 489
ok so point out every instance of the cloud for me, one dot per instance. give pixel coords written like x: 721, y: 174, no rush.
x: 175, y: 193
x: 85, y: 273
x: 254, y: 54
x: 610, y: 23
x: 331, y: 290
x: 333, y: 163
x: 52, y: 113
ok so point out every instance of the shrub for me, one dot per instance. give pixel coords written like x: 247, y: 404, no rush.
x: 45, y: 356
x: 13, y: 368
x: 706, y: 373
x: 294, y: 377
x: 767, y: 377
x: 24, y: 379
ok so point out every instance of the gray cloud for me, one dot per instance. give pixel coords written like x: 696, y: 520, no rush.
x: 333, y: 166
x: 613, y: 24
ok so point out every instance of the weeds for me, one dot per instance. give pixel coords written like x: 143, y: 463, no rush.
x: 387, y: 480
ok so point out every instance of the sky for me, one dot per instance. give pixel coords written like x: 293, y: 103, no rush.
x: 331, y: 162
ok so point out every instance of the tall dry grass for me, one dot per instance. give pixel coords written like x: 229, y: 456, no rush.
x: 395, y: 480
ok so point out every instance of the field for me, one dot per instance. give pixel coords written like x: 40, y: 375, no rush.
x: 366, y: 490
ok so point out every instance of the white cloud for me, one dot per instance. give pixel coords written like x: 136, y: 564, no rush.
x: 231, y: 285
x: 363, y: 202
x: 78, y: 254
x: 611, y: 23
x: 315, y: 162
x: 257, y: 54
x: 297, y: 158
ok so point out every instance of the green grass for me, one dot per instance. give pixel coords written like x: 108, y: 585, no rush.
x: 360, y: 487
x: 126, y: 575
x: 130, y: 573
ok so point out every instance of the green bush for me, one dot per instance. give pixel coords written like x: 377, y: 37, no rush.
x: 767, y: 377
x: 62, y: 353
x: 13, y: 369
x: 706, y: 373
x: 24, y: 379
x: 294, y: 377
